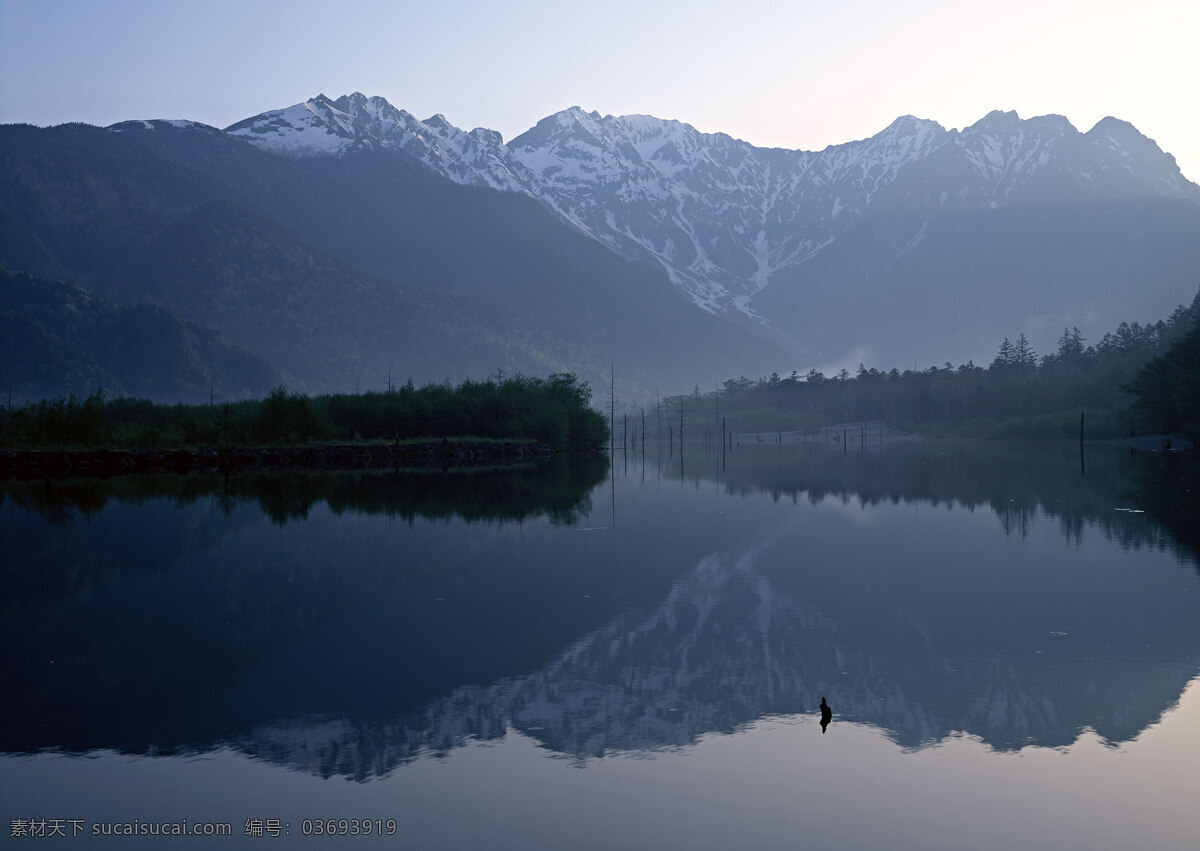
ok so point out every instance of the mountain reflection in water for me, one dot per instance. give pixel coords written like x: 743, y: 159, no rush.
x: 926, y: 589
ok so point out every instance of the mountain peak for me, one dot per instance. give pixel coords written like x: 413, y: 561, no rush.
x: 552, y: 126
x: 577, y: 117
x: 321, y: 125
x: 907, y: 123
x: 908, y: 130
x: 1118, y: 130
x: 1138, y: 154
x: 356, y: 100
x: 996, y: 120
x: 1124, y: 138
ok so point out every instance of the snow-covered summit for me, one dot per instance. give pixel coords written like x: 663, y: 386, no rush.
x: 356, y: 122
x: 323, y: 125
x: 722, y: 216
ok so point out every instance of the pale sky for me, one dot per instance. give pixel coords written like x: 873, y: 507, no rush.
x: 793, y: 75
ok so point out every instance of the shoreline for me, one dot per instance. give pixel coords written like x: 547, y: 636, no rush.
x: 876, y: 433
x: 1147, y: 442
x: 27, y: 464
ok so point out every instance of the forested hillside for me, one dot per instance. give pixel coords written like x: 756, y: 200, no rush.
x: 59, y: 339
x: 1139, y: 377
x: 1166, y: 390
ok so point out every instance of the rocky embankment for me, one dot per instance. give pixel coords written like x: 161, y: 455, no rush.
x: 44, y: 463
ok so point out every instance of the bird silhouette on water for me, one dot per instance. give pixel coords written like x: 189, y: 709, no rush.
x: 826, y: 714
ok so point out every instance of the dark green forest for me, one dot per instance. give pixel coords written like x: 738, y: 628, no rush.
x: 59, y: 339
x: 555, y: 411
x: 1137, y: 379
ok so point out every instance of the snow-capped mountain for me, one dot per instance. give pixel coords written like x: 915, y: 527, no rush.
x: 725, y: 218
x: 356, y: 122
x: 917, y: 246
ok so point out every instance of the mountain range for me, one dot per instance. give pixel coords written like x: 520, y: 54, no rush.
x: 343, y: 239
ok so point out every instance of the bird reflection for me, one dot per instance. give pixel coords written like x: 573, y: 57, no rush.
x: 826, y: 714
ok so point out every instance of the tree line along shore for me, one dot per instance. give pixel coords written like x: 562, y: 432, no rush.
x: 553, y: 413
x: 1140, y: 379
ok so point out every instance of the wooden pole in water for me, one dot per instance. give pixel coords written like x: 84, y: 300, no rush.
x: 1082, y: 468
x: 717, y: 411
x: 680, y: 428
x: 612, y: 405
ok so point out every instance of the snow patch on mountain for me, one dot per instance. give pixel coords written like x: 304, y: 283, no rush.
x: 722, y: 217
x: 158, y: 123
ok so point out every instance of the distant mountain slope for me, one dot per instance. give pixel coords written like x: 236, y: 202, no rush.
x: 60, y: 339
x: 967, y: 278
x: 681, y: 256
x: 324, y: 324
x: 339, y: 270
x: 779, y: 236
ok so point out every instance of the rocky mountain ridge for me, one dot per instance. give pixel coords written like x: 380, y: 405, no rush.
x: 724, y: 217
x: 340, y: 238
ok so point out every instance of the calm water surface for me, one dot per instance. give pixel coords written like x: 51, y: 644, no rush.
x: 579, y: 655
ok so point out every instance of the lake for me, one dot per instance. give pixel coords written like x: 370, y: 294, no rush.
x: 584, y: 655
